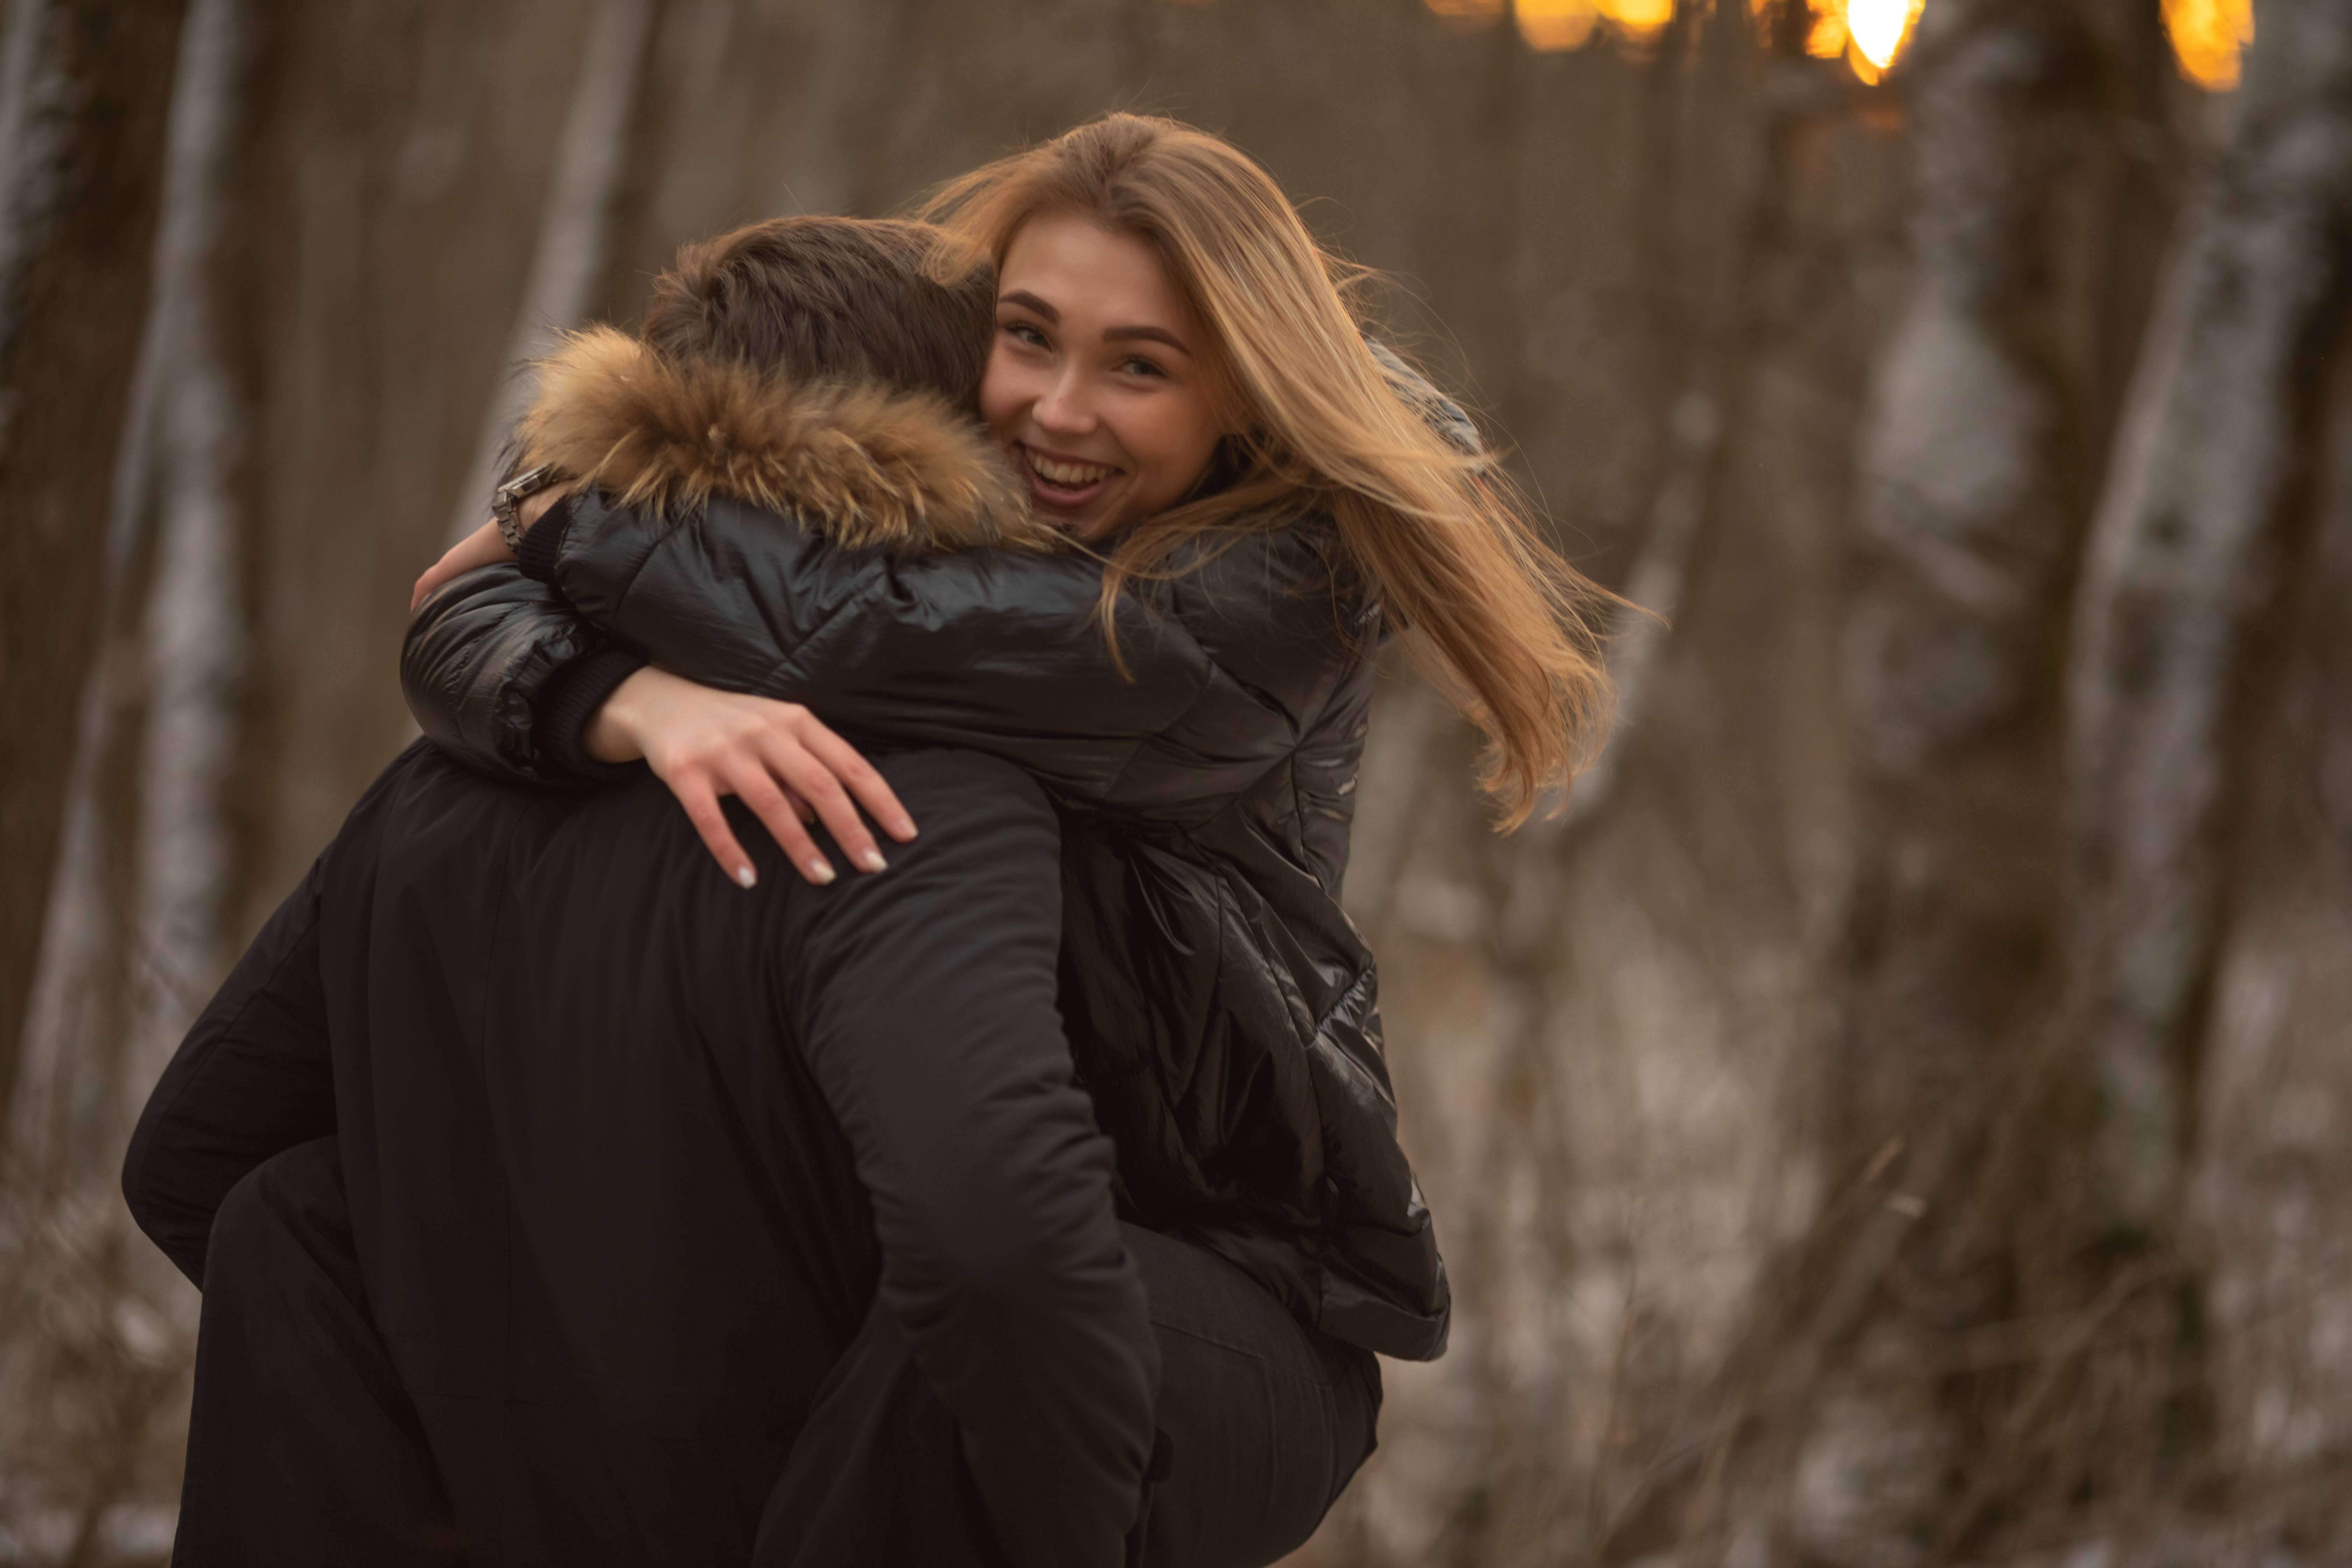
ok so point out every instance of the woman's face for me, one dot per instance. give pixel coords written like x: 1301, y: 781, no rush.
x: 1097, y: 382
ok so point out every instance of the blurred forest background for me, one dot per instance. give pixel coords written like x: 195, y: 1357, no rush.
x: 1899, y: 1113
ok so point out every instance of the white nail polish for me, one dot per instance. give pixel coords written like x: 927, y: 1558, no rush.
x: 821, y: 872
x: 746, y: 876
x: 872, y: 860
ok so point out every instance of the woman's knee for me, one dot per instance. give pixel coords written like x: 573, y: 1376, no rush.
x: 1267, y: 1420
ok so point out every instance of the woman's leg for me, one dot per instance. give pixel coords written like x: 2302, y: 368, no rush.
x: 1262, y: 1423
x: 1266, y: 1420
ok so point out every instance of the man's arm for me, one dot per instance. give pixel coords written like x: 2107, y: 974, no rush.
x: 252, y: 1078
x: 925, y: 1000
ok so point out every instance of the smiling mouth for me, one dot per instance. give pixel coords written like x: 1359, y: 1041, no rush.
x: 1061, y: 478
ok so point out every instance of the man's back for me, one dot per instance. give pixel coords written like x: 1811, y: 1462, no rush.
x: 630, y: 1155
x: 591, y: 1186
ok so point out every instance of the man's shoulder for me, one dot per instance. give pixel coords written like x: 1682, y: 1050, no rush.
x: 429, y: 813
x: 423, y: 772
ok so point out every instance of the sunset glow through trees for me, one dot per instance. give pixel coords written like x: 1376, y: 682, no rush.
x: 2208, y: 35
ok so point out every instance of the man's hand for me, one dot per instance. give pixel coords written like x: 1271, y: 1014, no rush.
x: 779, y: 758
x: 483, y: 547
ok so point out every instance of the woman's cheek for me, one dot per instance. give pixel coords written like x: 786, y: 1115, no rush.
x: 1003, y: 393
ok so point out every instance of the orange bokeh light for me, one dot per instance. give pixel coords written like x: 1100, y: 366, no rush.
x: 1552, y: 25
x: 1557, y: 23
x: 2208, y: 37
x: 1869, y: 34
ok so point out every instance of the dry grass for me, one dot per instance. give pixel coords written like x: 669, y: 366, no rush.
x: 97, y: 1339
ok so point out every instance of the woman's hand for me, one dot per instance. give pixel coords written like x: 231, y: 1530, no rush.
x: 483, y: 547
x: 777, y: 756
x: 486, y: 547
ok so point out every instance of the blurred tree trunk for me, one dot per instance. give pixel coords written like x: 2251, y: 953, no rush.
x: 1970, y: 511
x: 2271, y: 1190
x: 396, y: 166
x: 2184, y: 568
x: 575, y: 231
x: 1964, y: 535
x: 133, y: 935
x: 197, y: 630
x: 84, y: 86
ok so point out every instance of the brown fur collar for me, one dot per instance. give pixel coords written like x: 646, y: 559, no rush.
x: 862, y: 463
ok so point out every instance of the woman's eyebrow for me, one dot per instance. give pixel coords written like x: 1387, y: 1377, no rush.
x: 1028, y: 301
x: 1152, y: 334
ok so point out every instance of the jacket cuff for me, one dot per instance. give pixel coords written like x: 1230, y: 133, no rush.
x: 543, y: 541
x: 574, y: 694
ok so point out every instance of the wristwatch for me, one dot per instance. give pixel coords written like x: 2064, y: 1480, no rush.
x: 506, y: 502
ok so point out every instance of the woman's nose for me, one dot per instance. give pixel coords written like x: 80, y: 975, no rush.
x: 1065, y: 407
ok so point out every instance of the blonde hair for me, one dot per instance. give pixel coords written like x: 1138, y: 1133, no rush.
x: 1440, y: 534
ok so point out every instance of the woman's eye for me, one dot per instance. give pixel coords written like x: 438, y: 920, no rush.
x: 1022, y: 332
x: 1141, y: 367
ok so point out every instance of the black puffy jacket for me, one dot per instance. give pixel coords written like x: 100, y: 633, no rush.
x: 1220, y: 1007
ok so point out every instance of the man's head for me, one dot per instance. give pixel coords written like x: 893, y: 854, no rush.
x: 823, y: 368
x: 829, y: 298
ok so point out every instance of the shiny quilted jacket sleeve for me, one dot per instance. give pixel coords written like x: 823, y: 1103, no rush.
x: 1211, y: 687
x: 481, y: 655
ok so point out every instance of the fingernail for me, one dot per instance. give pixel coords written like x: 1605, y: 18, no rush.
x: 820, y: 871
x: 906, y: 827
x: 872, y: 860
x: 746, y: 876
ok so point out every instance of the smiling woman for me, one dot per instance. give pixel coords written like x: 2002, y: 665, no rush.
x: 1098, y: 381
x: 1188, y: 310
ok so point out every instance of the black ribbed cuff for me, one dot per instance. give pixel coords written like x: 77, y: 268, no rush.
x: 573, y: 697
x: 543, y: 541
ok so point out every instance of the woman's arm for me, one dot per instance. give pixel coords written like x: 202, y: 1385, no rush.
x: 1217, y: 673
x: 503, y: 674
x: 1000, y: 651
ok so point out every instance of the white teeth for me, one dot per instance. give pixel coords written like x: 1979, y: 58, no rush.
x: 1072, y: 475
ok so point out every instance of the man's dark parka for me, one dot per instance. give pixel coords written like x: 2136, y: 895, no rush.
x: 629, y: 1152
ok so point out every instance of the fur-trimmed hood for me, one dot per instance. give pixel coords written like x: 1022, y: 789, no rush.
x: 860, y: 463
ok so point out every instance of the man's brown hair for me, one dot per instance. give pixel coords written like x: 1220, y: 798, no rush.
x: 828, y: 297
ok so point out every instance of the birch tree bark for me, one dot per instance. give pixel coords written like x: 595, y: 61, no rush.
x: 1963, y: 536
x: 2269, y: 1191
x: 84, y: 88
x: 171, y: 594
x: 2183, y: 567
x: 196, y: 619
